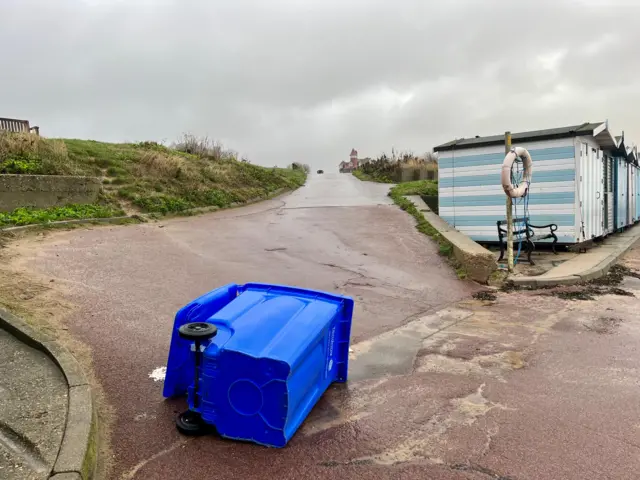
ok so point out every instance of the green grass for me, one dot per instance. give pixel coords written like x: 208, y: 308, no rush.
x: 155, y: 178
x: 359, y: 174
x: 27, y: 216
x: 418, y: 187
x: 147, y: 176
x: 422, y: 225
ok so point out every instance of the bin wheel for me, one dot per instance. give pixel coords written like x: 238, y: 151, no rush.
x: 197, y: 331
x: 191, y: 423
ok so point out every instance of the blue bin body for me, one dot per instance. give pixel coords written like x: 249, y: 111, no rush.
x: 277, y: 350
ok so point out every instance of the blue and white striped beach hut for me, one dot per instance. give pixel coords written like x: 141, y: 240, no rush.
x: 573, y: 182
x: 626, y: 185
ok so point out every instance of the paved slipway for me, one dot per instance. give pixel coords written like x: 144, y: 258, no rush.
x: 441, y: 386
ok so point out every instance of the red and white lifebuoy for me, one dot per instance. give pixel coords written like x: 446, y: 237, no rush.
x: 527, y: 164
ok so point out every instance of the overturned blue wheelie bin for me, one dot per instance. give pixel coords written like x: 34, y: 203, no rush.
x: 254, y: 359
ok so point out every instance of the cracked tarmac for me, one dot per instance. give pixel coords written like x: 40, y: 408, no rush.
x: 442, y: 386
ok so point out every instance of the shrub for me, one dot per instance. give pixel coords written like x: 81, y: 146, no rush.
x: 300, y: 166
x: 32, y: 154
x: 162, y: 203
x: 203, y: 147
x: 399, y: 167
x: 28, y: 215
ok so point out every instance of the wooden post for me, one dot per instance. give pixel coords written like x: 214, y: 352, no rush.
x: 507, y: 148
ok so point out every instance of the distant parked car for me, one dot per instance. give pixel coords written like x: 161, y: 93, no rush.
x: 320, y: 172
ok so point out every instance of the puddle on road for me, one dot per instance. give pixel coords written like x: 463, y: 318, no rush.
x: 630, y: 283
x: 394, y: 352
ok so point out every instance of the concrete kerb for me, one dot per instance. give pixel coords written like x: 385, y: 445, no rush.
x: 478, y: 262
x: 66, y: 476
x: 62, y: 223
x: 593, y: 273
x: 545, y: 282
x: 77, y: 456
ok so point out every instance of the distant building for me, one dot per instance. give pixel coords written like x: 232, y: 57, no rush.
x: 353, y: 158
x: 353, y: 163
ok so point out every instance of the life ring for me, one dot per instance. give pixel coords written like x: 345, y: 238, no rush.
x: 527, y: 163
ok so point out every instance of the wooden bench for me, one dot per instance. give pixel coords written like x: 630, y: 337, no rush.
x: 14, y: 125
x: 524, y: 230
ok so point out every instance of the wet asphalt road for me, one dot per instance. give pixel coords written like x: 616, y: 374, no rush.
x: 335, y: 234
x: 443, y: 387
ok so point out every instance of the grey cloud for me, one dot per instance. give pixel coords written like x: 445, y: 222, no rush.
x: 308, y: 79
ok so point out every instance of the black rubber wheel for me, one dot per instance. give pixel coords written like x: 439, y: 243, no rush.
x: 197, y: 331
x: 190, y: 423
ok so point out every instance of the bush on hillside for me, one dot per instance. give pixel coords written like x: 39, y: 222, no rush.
x: 389, y: 169
x: 426, y: 188
x: 26, y: 153
x: 203, y: 147
x: 300, y: 166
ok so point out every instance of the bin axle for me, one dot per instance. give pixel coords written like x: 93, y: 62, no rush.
x: 190, y: 422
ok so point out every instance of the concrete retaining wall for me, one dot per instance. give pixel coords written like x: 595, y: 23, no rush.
x: 44, y: 191
x: 478, y: 262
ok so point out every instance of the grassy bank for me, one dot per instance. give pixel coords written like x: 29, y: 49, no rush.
x: 424, y: 187
x: 147, y: 176
x: 418, y: 187
x: 365, y: 177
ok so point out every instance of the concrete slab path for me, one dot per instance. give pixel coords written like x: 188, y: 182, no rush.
x: 585, y: 266
x: 33, y: 410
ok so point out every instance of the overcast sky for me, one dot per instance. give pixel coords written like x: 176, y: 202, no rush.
x: 307, y: 80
